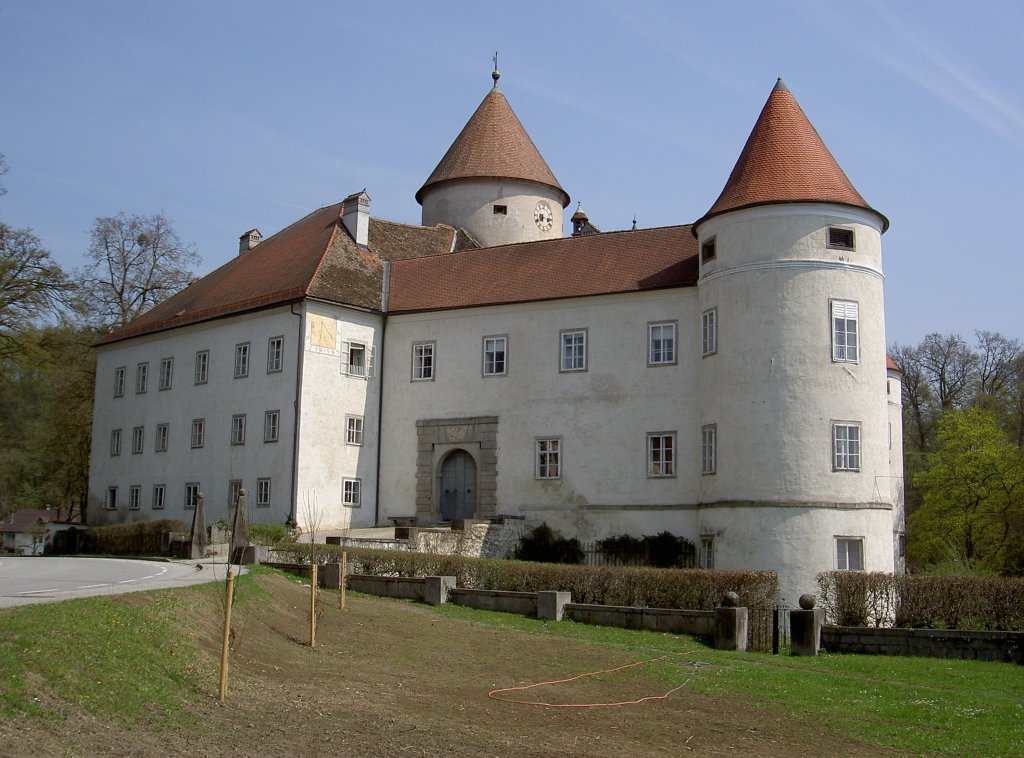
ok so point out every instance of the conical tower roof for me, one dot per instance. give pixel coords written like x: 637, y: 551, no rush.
x: 493, y: 145
x: 785, y: 161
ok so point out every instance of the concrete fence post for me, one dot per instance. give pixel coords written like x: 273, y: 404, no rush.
x: 731, y: 624
x: 551, y: 605
x: 805, y: 627
x: 435, y: 589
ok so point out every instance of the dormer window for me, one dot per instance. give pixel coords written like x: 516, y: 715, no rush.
x: 500, y: 210
x: 707, y: 251
x: 840, y: 239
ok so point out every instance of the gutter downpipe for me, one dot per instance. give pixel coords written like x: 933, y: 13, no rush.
x: 380, y: 387
x: 297, y: 408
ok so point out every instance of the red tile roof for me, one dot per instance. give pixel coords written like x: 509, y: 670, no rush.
x: 785, y: 161
x: 493, y: 144
x: 26, y: 518
x: 314, y: 257
x: 891, y: 365
x: 597, y: 264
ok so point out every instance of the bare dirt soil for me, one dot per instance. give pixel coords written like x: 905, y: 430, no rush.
x: 390, y: 678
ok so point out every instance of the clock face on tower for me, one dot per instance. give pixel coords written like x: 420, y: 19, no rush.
x: 543, y: 217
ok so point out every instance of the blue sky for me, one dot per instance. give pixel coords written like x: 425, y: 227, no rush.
x: 229, y: 115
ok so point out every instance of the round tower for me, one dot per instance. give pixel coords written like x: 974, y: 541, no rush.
x: 793, y: 375
x: 493, y: 182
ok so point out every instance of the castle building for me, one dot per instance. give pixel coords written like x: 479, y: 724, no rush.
x: 725, y: 380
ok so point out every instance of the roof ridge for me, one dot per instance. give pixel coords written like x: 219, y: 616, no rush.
x: 323, y: 256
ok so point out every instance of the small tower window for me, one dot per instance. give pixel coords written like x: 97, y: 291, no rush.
x: 500, y: 210
x: 840, y: 239
x: 707, y: 251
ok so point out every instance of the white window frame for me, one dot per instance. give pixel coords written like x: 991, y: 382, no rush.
x: 235, y: 487
x: 547, y: 463
x: 706, y: 552
x: 708, y: 449
x: 166, y: 373
x: 191, y: 495
x: 349, y: 349
x: 115, y: 441
x: 142, y: 378
x: 202, y: 372
x: 709, y: 331
x: 138, y: 439
x: 352, y: 492
x: 238, y: 429
x: 658, y: 333
x: 275, y: 355
x: 661, y: 455
x: 845, y: 555
x: 353, y: 430
x: 119, y: 379
x: 845, y: 340
x: 271, y: 426
x: 495, y: 355
x: 163, y: 435
x: 159, y: 496
x: 198, y: 433
x: 263, y: 491
x: 134, y: 497
x: 241, y: 360
x: 846, y: 446
x: 573, y: 344
x: 423, y: 361
x: 110, y: 499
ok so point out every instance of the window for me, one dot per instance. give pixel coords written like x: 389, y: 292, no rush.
x: 662, y: 343
x: 134, y: 497
x: 574, y: 350
x: 263, y: 493
x: 708, y: 443
x: 500, y: 210
x: 242, y: 360
x: 495, y: 349
x: 238, y: 429
x: 191, y: 495
x: 709, y: 331
x: 166, y: 373
x: 115, y: 442
x: 119, y: 381
x: 840, y: 239
x: 661, y: 457
x: 706, y: 556
x: 353, y: 430
x: 159, y: 491
x: 548, y: 464
x: 162, y: 433
x: 202, y: 366
x: 275, y: 354
x: 141, y: 378
x: 138, y: 435
x: 707, y: 251
x: 198, y: 432
x: 357, y: 360
x: 845, y: 447
x: 850, y: 553
x: 844, y: 331
x: 234, y: 490
x: 271, y: 425
x: 110, y: 501
x: 351, y: 492
x: 422, y: 361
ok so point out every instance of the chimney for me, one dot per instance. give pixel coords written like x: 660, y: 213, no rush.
x: 355, y: 215
x: 249, y: 240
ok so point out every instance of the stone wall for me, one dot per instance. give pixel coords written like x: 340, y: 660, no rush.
x: 696, y: 623
x: 476, y: 539
x: 928, y: 643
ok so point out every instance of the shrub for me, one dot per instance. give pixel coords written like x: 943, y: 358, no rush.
x: 138, y: 538
x: 267, y: 534
x: 544, y: 545
x: 664, y: 550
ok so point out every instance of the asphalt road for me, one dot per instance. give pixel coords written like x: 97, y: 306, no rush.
x: 27, y: 579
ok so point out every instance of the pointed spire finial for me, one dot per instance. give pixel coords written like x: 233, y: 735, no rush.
x: 495, y: 75
x: 780, y: 86
x: 633, y: 229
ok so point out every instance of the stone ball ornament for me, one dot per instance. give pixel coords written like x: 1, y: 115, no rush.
x: 808, y: 601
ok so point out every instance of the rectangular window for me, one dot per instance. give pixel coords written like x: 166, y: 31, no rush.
x: 138, y: 436
x: 271, y: 426
x: 263, y: 493
x: 708, y: 445
x: 202, y: 366
x: 115, y: 442
x: 548, y: 461
x: 351, y: 492
x: 191, y: 495
x: 119, y: 381
x: 423, y: 361
x: 166, y: 373
x: 242, y: 360
x: 238, y: 429
x: 662, y: 343
x: 846, y: 447
x: 709, y: 331
x: 850, y: 553
x: 234, y: 490
x: 707, y: 250
x: 706, y: 557
x: 159, y: 491
x: 357, y: 360
x: 110, y: 501
x: 134, y: 497
x: 495, y: 349
x: 840, y: 239
x: 198, y: 432
x: 844, y: 331
x: 500, y: 210
x: 275, y: 354
x: 353, y: 430
x: 162, y: 435
x: 574, y: 350
x: 661, y: 454
x: 141, y: 378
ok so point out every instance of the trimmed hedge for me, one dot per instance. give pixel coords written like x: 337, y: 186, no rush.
x: 691, y: 589
x: 856, y: 598
x: 139, y: 538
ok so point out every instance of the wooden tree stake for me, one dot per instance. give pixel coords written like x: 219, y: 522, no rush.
x: 341, y: 580
x: 312, y: 605
x: 230, y: 592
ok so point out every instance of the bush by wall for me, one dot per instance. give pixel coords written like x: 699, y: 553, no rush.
x: 138, y: 538
x: 544, y: 545
x: 856, y: 598
x: 664, y: 550
x: 267, y: 534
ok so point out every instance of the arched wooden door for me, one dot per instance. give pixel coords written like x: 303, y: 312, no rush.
x: 458, y: 486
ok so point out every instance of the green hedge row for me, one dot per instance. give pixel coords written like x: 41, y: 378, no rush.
x: 693, y: 589
x: 138, y: 538
x: 856, y: 598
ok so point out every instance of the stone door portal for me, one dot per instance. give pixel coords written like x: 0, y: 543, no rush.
x: 458, y: 486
